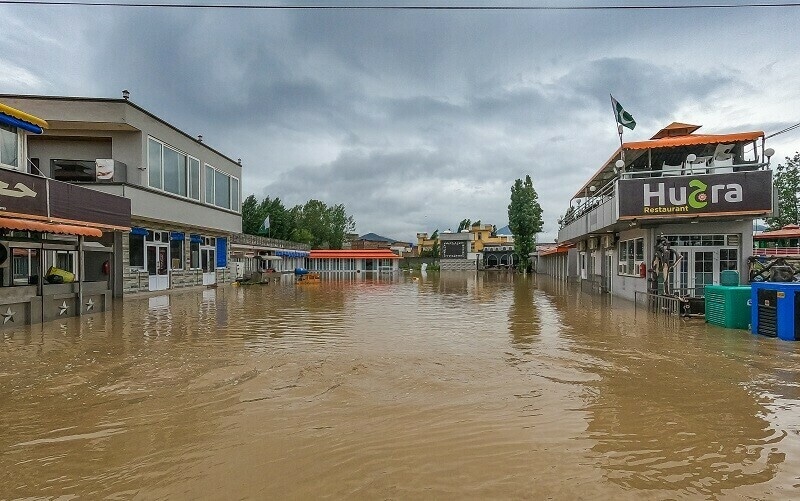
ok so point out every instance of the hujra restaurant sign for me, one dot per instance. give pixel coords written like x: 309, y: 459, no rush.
x: 736, y: 192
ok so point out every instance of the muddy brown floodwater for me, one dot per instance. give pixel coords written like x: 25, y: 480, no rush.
x: 449, y: 387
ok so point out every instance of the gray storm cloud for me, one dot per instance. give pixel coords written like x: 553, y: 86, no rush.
x: 416, y: 120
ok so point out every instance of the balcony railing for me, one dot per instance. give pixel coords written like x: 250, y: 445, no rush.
x: 777, y: 251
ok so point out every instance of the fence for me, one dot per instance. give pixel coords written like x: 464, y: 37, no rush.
x: 658, y: 303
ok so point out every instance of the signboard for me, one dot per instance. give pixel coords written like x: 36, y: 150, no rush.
x: 22, y: 193
x: 702, y: 194
x: 454, y: 249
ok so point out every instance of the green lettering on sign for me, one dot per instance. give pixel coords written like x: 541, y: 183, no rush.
x: 697, y: 198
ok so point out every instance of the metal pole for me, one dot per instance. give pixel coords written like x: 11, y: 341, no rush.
x: 81, y: 274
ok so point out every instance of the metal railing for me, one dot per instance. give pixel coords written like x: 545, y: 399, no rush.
x: 259, y: 241
x: 658, y: 303
x: 777, y: 251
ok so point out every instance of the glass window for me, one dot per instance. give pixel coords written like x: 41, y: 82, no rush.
x: 194, y: 178
x: 9, y: 146
x: 73, y: 170
x: 234, y: 194
x: 640, y: 249
x: 136, y: 251
x: 209, y: 184
x: 154, y: 164
x: 194, y: 258
x: 222, y: 190
x: 25, y: 266
x: 174, y: 172
x: 176, y: 254
x: 728, y: 259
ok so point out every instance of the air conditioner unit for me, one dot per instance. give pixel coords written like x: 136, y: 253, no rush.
x: 581, y: 246
x: 593, y: 243
x: 110, y: 170
x: 607, y: 241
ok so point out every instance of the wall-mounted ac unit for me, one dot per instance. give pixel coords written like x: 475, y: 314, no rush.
x: 607, y: 241
x: 581, y: 246
x: 593, y: 243
x: 109, y: 170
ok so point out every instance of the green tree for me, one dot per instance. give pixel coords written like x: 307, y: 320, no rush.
x: 322, y: 226
x: 787, y: 183
x: 252, y: 217
x: 435, y: 238
x: 524, y: 219
x: 463, y: 225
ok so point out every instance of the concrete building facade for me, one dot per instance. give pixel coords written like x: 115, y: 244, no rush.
x: 185, y: 196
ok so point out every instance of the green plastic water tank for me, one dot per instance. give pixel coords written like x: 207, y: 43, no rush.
x: 729, y: 277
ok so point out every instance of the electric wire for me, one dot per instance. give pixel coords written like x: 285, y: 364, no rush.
x: 181, y: 5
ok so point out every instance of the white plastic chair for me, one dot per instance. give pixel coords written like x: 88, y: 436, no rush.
x: 722, y: 161
x: 671, y: 170
x: 699, y: 166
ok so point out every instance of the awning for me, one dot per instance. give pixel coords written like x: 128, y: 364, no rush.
x: 16, y: 118
x: 44, y: 227
x: 271, y: 258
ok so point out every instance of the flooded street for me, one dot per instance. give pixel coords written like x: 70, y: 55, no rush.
x: 459, y: 386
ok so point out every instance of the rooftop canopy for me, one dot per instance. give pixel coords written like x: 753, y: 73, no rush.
x: 669, y: 147
x: 788, y: 231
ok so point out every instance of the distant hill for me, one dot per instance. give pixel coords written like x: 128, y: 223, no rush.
x: 373, y: 237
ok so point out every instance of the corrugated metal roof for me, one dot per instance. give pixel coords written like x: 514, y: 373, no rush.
x: 353, y: 254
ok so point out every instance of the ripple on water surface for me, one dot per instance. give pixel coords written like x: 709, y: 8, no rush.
x: 459, y: 385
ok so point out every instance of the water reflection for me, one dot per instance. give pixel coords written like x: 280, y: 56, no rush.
x: 446, y: 385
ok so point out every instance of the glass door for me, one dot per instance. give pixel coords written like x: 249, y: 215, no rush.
x: 157, y: 262
x: 208, y: 260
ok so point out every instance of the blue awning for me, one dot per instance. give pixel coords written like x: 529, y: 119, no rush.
x: 138, y: 231
x: 196, y: 239
x: 16, y: 122
x: 177, y: 235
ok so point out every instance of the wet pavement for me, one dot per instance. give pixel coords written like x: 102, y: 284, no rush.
x: 451, y: 386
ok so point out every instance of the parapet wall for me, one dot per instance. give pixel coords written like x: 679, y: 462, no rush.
x: 457, y: 265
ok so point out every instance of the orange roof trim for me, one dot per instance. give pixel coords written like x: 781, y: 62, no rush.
x: 788, y: 231
x: 42, y: 227
x: 693, y: 139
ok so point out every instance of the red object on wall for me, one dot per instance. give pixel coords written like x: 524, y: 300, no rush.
x: 642, y: 270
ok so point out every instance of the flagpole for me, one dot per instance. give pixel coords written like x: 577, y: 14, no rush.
x: 619, y: 127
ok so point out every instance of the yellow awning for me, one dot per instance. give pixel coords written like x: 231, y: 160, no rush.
x: 21, y: 115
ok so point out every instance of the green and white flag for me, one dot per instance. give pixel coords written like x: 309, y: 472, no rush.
x: 623, y: 117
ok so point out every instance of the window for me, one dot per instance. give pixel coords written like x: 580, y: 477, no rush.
x: 9, y: 146
x: 194, y: 178
x: 154, y: 163
x: 209, y: 185
x: 136, y: 249
x: 631, y: 253
x: 222, y: 190
x: 176, y: 250
x: 25, y: 266
x: 73, y: 170
x: 174, y: 172
x: 728, y: 259
x: 194, y: 252
x: 234, y: 194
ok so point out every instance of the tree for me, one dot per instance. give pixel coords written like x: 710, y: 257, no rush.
x: 313, y: 223
x: 463, y: 225
x: 524, y: 219
x: 435, y: 238
x: 252, y: 217
x: 787, y: 183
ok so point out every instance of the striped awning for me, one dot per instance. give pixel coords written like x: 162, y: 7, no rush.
x: 45, y: 227
x: 20, y: 119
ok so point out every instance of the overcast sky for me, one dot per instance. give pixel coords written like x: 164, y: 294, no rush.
x: 415, y: 120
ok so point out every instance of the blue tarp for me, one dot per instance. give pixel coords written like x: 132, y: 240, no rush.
x: 16, y: 122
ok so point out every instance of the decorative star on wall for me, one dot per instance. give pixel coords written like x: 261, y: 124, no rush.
x: 63, y: 308
x: 90, y: 304
x: 8, y: 316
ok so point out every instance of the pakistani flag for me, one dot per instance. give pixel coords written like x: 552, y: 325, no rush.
x: 623, y: 117
x: 266, y: 223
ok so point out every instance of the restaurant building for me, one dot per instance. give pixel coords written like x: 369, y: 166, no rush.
x: 184, y: 195
x: 60, y: 244
x: 695, y: 196
x: 356, y: 261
